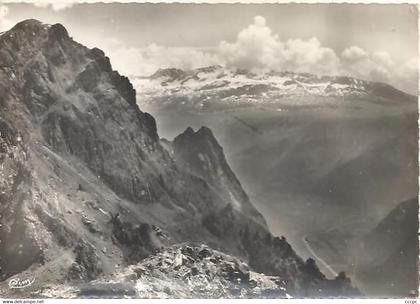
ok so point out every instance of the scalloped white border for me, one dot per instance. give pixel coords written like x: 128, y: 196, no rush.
x: 416, y: 2
x: 362, y: 2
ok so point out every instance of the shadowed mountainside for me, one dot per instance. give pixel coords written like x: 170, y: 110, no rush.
x: 394, y: 244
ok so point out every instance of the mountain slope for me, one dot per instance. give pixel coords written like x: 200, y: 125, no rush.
x: 88, y: 187
x: 390, y: 253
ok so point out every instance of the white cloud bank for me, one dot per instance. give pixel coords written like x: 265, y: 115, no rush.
x: 145, y: 61
x: 257, y: 48
x: 379, y: 66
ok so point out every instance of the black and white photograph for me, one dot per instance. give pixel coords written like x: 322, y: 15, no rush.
x: 208, y: 151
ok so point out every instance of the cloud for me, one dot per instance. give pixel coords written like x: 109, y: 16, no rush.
x: 353, y: 54
x: 310, y: 56
x: 379, y: 66
x: 145, y: 61
x: 256, y: 47
x: 5, y: 22
x: 383, y: 59
x: 407, y: 75
x: 259, y: 21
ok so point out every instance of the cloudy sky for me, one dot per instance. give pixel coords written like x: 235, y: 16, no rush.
x: 374, y: 42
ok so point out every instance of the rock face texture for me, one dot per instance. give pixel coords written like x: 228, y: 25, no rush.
x: 87, y: 187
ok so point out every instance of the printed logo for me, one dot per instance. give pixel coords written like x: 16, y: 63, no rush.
x: 18, y: 283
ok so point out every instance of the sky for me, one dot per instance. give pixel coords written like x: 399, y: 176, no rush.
x: 373, y: 42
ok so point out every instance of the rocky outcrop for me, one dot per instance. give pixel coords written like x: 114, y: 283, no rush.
x: 87, y: 265
x: 140, y: 240
x: 180, y: 271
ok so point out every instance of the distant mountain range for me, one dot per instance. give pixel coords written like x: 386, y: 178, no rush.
x: 217, y: 87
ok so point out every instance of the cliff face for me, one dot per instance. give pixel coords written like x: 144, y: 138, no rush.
x: 87, y: 186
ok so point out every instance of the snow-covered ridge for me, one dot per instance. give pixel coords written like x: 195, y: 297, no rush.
x: 219, y: 78
x: 228, y: 85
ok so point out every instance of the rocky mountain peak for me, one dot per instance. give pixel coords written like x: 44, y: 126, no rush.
x: 58, y: 32
x: 29, y: 32
x: 206, y: 132
x: 203, y: 139
x: 28, y: 25
x: 200, y: 153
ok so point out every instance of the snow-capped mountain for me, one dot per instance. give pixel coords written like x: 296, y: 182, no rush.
x: 216, y: 86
